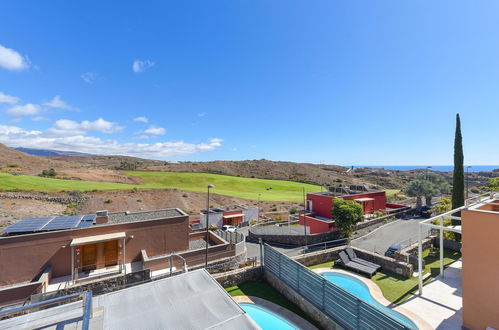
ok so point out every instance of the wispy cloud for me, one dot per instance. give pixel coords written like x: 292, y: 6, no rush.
x: 28, y: 109
x: 141, y: 119
x: 12, y: 60
x: 39, y: 118
x: 58, y: 103
x: 4, y: 98
x: 89, y: 77
x: 142, y: 65
x: 68, y: 127
x: 154, y: 130
x: 17, y: 137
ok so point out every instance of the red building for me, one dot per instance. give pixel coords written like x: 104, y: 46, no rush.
x: 318, y: 214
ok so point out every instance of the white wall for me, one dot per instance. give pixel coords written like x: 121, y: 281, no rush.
x: 215, y: 220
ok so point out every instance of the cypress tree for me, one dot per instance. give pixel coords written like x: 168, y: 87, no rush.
x: 458, y: 175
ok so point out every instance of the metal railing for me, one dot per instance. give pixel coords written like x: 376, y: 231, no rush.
x: 98, y: 270
x: 344, y: 308
x: 85, y: 296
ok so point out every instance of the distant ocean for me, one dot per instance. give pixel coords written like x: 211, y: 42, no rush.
x: 442, y: 168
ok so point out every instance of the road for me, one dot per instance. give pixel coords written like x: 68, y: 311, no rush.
x: 403, y: 231
x: 254, y: 248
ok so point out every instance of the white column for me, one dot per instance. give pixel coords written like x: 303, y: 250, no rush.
x: 420, y: 260
x: 442, y: 247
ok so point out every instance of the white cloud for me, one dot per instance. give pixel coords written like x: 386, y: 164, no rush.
x: 4, y: 98
x: 154, y: 130
x: 141, y: 119
x: 89, y: 77
x: 18, y: 137
x: 24, y: 110
x: 12, y: 60
x: 39, y: 118
x: 72, y: 128
x: 58, y: 103
x: 141, y: 65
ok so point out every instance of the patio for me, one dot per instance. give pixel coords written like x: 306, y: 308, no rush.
x: 441, y: 302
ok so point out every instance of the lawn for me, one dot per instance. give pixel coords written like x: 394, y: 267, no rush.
x: 248, y: 188
x: 265, y: 291
x: 396, y: 288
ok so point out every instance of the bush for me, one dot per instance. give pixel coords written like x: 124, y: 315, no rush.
x: 50, y: 172
x: 108, y: 201
x: 293, y: 211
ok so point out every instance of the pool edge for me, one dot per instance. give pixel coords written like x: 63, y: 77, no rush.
x: 377, y: 294
x: 279, y: 310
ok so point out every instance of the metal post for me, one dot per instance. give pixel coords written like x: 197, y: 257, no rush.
x: 304, y: 217
x: 261, y: 251
x: 207, y: 223
x: 442, y: 247
x: 171, y: 264
x: 420, y: 260
x: 467, y: 181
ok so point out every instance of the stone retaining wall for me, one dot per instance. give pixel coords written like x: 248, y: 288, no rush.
x: 386, y: 263
x: 298, y: 240
x: 238, y: 276
x: 448, y: 244
x: 55, y: 199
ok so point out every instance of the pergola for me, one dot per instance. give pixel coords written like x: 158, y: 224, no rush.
x: 441, y: 228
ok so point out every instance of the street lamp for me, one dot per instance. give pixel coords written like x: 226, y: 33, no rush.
x: 304, y: 217
x: 207, y: 222
x: 467, y: 180
x: 427, y: 167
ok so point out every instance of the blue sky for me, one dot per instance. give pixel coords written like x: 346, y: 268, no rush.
x: 340, y: 82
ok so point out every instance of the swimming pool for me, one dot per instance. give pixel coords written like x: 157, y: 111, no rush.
x: 359, y: 289
x: 266, y: 319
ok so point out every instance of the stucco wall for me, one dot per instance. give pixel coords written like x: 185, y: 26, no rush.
x: 22, y: 258
x: 480, y: 269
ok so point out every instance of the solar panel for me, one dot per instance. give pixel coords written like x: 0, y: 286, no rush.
x: 87, y: 221
x: 66, y: 222
x: 90, y: 217
x: 28, y: 225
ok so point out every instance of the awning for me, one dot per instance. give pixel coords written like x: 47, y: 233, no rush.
x: 233, y: 216
x: 366, y: 199
x: 97, y: 238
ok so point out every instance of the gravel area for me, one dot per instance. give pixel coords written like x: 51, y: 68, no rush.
x: 123, y: 217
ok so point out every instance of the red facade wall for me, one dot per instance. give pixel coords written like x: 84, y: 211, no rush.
x: 317, y: 226
x: 22, y: 258
x: 321, y: 204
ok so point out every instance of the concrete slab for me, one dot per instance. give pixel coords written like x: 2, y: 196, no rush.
x: 441, y: 304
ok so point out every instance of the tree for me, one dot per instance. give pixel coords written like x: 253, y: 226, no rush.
x: 458, y: 175
x: 419, y: 188
x: 494, y: 184
x: 346, y: 214
x: 436, y: 187
x: 443, y: 206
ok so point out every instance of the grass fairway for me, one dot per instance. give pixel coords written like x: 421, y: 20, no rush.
x: 9, y: 182
x: 196, y: 182
x: 248, y: 188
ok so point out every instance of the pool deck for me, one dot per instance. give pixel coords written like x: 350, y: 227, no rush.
x: 375, y: 290
x: 441, y: 303
x: 279, y: 310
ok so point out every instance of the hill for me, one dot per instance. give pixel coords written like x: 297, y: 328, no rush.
x: 50, y: 152
x: 15, y: 161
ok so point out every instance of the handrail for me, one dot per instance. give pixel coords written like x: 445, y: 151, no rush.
x: 86, y: 296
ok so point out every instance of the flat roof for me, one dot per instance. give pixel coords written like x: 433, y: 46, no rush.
x: 126, y: 217
x: 192, y: 300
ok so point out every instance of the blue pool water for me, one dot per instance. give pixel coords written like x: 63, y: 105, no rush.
x: 266, y: 319
x: 359, y: 289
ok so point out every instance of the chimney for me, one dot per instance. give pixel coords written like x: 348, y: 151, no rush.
x: 101, y: 217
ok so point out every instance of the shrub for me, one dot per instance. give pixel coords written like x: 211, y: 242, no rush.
x: 293, y: 211
x: 108, y: 201
x: 50, y: 172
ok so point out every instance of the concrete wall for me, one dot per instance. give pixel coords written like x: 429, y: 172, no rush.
x: 214, y: 218
x: 22, y: 258
x: 316, y: 226
x: 480, y: 269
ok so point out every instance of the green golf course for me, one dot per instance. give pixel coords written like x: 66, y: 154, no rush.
x: 248, y: 188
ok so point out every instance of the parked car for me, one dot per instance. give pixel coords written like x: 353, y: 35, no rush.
x: 394, y: 248
x: 228, y: 228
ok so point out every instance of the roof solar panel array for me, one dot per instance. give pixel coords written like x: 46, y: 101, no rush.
x: 28, y: 225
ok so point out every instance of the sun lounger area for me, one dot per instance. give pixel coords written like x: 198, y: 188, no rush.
x: 349, y: 260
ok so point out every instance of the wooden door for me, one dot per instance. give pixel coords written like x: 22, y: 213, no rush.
x: 111, y: 253
x: 89, y: 256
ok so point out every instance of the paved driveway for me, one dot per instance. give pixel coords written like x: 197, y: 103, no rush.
x: 254, y: 248
x: 398, y: 231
